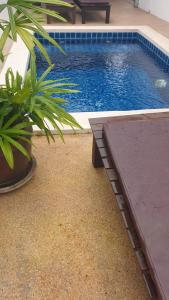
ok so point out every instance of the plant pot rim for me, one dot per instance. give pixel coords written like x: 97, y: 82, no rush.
x: 16, y: 185
x: 14, y: 149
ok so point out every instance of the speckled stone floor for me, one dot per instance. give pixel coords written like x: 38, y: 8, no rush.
x: 61, y: 236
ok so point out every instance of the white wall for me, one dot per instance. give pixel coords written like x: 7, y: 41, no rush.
x: 3, y: 14
x: 145, y: 5
x: 159, y: 8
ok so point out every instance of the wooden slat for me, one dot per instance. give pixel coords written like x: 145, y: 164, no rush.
x: 98, y: 134
x: 97, y: 127
x: 133, y: 239
x: 150, y: 286
x: 104, y: 120
x: 116, y: 187
x: 158, y: 115
x: 127, y: 221
x: 96, y: 158
x: 95, y: 121
x: 107, y: 163
x: 112, y: 175
x: 100, y: 143
x: 141, y: 260
x: 103, y: 152
x: 120, y: 202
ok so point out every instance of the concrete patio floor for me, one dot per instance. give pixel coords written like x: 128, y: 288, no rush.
x: 62, y: 236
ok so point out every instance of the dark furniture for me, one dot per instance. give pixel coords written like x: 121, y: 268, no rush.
x: 63, y: 10
x: 134, y: 151
x: 95, y: 5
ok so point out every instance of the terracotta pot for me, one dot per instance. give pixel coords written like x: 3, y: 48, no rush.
x: 21, y: 168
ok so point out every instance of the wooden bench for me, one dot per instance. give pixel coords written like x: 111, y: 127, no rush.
x: 63, y: 10
x: 134, y: 151
x: 95, y: 5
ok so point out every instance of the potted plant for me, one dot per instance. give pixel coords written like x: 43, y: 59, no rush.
x: 28, y: 101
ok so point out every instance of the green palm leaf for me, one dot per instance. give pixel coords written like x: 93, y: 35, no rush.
x: 23, y: 18
x: 29, y: 97
x: 18, y: 146
x: 7, y: 152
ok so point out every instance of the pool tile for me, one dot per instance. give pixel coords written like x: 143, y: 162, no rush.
x: 115, y: 37
x: 84, y: 35
x: 67, y: 35
x: 105, y: 34
x: 89, y: 35
x: 110, y: 34
x: 99, y: 35
x: 125, y: 34
x: 52, y: 34
x: 57, y: 34
x: 78, y: 35
x: 62, y: 35
x: 72, y: 34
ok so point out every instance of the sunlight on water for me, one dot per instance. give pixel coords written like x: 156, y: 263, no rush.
x: 110, y: 76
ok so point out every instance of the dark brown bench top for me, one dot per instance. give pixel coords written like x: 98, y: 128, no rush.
x: 98, y: 5
x: 92, y: 2
x: 140, y: 152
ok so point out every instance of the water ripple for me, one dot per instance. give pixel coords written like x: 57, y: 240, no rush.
x: 110, y: 77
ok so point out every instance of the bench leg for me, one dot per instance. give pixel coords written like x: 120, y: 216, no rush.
x: 96, y: 158
x: 83, y: 16
x: 74, y: 15
x: 107, y: 15
x: 48, y: 19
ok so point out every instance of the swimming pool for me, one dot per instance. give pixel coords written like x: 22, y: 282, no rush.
x: 115, y: 71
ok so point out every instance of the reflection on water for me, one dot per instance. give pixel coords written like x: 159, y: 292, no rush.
x: 110, y: 76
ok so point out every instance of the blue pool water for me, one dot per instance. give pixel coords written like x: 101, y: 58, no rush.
x: 110, y: 76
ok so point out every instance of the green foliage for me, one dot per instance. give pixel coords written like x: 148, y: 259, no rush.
x: 10, y: 137
x: 24, y: 18
x: 30, y: 101
x: 34, y: 100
